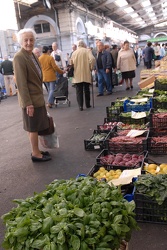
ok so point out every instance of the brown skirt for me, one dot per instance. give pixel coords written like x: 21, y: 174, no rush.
x: 36, y: 123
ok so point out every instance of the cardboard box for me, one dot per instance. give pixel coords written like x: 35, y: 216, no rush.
x: 147, y: 83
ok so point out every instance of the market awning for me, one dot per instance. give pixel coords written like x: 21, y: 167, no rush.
x: 158, y: 39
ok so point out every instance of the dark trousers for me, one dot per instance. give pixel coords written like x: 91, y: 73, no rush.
x: 81, y: 89
x: 148, y: 64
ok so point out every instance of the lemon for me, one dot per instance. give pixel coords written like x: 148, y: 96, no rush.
x: 163, y: 165
x: 165, y: 170
x: 151, y: 166
x: 112, y: 172
x: 152, y: 171
x: 101, y: 169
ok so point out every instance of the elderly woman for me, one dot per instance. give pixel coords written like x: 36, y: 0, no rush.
x: 28, y: 75
x: 126, y: 62
x: 83, y: 62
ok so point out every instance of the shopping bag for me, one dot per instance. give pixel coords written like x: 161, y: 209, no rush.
x: 50, y: 141
x: 70, y: 71
x: 51, y: 128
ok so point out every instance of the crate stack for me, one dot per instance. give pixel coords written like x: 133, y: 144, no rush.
x: 157, y: 142
x: 119, y: 152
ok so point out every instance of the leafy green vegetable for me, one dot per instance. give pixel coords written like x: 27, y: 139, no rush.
x: 71, y: 214
x: 154, y: 186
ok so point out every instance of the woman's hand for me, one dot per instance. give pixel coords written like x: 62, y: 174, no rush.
x: 30, y: 110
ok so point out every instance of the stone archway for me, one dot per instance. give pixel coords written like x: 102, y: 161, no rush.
x: 80, y: 26
x: 32, y: 20
x: 160, y: 33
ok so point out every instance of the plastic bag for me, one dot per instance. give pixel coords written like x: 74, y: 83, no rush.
x: 50, y: 141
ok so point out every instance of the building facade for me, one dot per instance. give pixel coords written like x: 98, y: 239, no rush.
x: 68, y: 23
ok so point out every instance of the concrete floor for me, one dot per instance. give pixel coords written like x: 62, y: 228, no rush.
x: 20, y: 178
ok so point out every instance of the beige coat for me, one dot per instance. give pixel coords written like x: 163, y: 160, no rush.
x: 126, y: 60
x: 83, y: 62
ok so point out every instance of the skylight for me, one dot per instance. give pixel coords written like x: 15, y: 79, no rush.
x: 121, y: 3
x: 146, y: 3
x: 138, y: 19
x: 149, y: 10
x: 134, y: 15
x: 164, y: 4
x: 129, y: 10
x: 160, y: 24
x: 151, y: 14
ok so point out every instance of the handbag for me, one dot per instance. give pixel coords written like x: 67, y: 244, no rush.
x: 57, y: 58
x: 50, y: 130
x: 70, y: 72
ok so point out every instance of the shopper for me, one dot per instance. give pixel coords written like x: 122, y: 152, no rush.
x: 37, y: 52
x: 148, y: 55
x: 28, y: 75
x: 162, y: 51
x: 157, y: 52
x: 74, y: 48
x: 83, y: 62
x: 49, y: 70
x: 103, y: 68
x: 6, y: 68
x: 127, y: 64
x: 58, y: 57
x: 114, y: 53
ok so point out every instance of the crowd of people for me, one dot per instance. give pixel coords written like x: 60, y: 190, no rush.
x: 31, y: 68
x: 153, y: 52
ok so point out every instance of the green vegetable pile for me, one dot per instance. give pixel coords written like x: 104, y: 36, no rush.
x: 162, y: 80
x: 154, y: 186
x: 161, y: 98
x: 80, y: 214
x: 97, y: 137
x: 160, y: 92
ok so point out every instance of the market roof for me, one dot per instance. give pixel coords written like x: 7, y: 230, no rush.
x: 133, y: 14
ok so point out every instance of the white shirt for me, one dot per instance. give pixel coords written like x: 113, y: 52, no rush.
x: 61, y: 63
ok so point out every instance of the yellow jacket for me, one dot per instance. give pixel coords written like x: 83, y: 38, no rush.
x: 49, y: 68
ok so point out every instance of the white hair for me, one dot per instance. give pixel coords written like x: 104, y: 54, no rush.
x: 81, y: 43
x: 23, y: 31
x: 54, y: 43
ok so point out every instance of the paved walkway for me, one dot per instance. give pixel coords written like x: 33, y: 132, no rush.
x: 20, y: 178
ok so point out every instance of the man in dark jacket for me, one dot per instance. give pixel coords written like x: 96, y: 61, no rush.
x: 103, y: 67
x: 6, y: 69
x: 148, y: 55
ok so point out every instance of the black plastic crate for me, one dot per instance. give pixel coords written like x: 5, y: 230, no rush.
x: 159, y: 105
x: 157, y: 148
x: 95, y: 144
x: 129, y: 120
x: 160, y: 86
x: 113, y: 112
x: 157, y: 119
x: 148, y: 210
x: 106, y: 152
x: 107, y: 127
x: 128, y: 146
